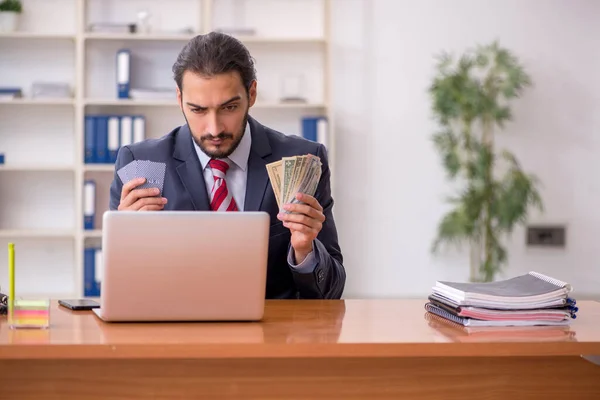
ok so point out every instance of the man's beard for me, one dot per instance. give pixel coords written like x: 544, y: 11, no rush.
x: 220, y: 153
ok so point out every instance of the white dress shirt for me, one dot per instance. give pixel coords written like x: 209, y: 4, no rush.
x: 237, y: 173
x: 236, y: 178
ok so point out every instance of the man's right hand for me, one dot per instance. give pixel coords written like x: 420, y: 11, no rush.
x: 133, y: 199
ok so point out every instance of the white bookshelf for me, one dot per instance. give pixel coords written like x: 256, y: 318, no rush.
x: 41, y: 181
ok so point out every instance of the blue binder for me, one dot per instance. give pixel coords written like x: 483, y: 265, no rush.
x: 90, y: 139
x: 91, y: 288
x: 123, y: 73
x: 89, y: 204
x: 309, y: 128
x: 102, y: 139
x: 314, y: 128
x: 113, y: 138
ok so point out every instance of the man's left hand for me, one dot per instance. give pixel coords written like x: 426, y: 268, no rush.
x: 304, y: 222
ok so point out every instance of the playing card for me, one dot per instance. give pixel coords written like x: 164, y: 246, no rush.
x: 153, y: 171
x: 127, y: 172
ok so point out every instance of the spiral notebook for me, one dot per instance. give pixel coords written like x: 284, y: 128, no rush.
x: 546, y: 313
x: 460, y: 333
x: 466, y: 321
x: 525, y: 291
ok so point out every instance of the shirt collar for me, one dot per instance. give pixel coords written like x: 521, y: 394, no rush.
x: 239, y: 156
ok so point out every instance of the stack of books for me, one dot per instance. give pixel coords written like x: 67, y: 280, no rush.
x: 527, y: 300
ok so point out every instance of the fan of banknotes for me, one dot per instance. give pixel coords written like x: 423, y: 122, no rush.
x: 291, y: 175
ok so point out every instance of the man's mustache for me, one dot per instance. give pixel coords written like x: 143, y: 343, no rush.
x: 220, y: 136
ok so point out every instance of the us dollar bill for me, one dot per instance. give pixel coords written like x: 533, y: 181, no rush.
x: 309, y: 180
x: 292, y: 175
x: 289, y: 163
x: 275, y: 172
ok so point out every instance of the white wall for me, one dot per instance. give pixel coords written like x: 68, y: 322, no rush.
x: 391, y: 183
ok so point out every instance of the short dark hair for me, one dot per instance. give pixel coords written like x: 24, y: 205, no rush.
x: 212, y: 54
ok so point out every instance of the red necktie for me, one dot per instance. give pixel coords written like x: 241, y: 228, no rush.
x: 220, y: 198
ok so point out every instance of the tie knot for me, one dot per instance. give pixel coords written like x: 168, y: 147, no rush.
x: 219, y: 165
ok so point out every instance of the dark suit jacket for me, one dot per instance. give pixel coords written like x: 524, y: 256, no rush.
x: 185, y: 189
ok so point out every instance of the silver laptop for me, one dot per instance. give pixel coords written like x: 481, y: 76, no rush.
x: 183, y: 266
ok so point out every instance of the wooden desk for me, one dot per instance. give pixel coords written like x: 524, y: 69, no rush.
x: 353, y: 349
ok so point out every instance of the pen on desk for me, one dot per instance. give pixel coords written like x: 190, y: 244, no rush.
x: 11, y: 276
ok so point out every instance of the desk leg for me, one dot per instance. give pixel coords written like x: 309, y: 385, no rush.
x: 428, y: 378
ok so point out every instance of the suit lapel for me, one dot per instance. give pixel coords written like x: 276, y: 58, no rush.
x: 258, y: 177
x: 190, y: 170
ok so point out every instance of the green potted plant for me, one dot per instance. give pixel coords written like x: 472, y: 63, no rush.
x: 471, y: 100
x: 10, y: 10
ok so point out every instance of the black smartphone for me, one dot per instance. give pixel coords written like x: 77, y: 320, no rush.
x: 79, y: 304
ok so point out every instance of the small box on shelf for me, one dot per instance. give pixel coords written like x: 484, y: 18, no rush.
x: 10, y: 93
x: 140, y: 19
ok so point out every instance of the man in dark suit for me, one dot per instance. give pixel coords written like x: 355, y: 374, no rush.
x: 217, y: 161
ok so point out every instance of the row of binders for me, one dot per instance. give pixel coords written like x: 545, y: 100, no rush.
x: 105, y: 134
x: 531, y: 299
x: 92, y: 271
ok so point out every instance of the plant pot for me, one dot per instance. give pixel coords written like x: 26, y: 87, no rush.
x: 9, y: 21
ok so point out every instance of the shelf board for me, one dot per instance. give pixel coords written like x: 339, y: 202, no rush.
x: 173, y: 103
x: 99, y: 167
x: 37, y: 102
x: 96, y: 233
x: 37, y: 168
x: 138, y: 36
x: 131, y: 102
x: 284, y: 40
x: 37, y: 35
x: 275, y: 105
x: 186, y: 37
x: 36, y: 233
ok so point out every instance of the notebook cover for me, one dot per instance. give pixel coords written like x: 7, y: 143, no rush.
x: 466, y: 321
x: 531, y: 284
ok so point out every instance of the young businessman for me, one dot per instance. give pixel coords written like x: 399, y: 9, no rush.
x: 217, y: 161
